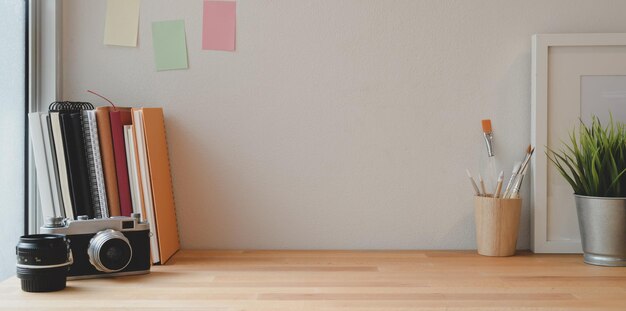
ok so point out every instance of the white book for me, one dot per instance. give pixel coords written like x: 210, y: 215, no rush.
x: 51, y: 160
x: 57, y: 136
x: 41, y: 165
x: 144, y: 173
x: 133, y: 176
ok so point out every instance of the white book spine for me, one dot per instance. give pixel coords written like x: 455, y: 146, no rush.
x: 62, y: 168
x: 135, y: 192
x: 41, y: 166
x: 51, y: 161
x: 144, y: 172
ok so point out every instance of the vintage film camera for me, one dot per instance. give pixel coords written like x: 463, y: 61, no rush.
x: 114, y: 246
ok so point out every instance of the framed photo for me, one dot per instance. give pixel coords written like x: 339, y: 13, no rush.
x: 574, y: 76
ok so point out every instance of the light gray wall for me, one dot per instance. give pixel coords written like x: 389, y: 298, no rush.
x: 12, y: 116
x: 336, y: 124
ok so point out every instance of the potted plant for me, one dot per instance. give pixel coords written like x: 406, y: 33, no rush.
x: 594, y: 164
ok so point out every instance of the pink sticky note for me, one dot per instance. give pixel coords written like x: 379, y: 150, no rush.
x: 218, y: 25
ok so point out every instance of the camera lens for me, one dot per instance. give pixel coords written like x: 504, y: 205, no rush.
x: 42, y: 262
x: 109, y: 251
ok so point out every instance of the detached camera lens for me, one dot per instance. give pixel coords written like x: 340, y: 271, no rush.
x: 109, y: 251
x: 42, y: 262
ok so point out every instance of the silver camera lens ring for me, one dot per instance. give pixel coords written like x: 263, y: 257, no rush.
x: 42, y: 262
x: 95, y: 247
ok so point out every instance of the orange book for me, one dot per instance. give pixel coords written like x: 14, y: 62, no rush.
x: 108, y: 159
x: 161, y: 182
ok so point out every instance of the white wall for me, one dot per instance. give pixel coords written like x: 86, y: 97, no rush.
x: 336, y: 124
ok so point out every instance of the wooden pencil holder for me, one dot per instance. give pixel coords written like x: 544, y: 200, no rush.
x: 497, y: 224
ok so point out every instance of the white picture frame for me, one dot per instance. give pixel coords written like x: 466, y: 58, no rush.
x: 541, y: 222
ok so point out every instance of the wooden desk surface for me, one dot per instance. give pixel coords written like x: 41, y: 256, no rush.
x: 342, y: 280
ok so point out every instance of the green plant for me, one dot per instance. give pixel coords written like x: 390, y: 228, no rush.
x: 594, y: 163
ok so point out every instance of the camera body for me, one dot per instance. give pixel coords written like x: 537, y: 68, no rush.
x: 114, y: 246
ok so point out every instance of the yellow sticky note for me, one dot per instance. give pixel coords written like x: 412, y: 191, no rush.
x: 122, y: 21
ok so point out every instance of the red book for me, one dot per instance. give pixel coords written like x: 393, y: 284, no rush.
x: 120, y: 118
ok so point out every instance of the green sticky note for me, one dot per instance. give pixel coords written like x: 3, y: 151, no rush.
x: 170, y: 45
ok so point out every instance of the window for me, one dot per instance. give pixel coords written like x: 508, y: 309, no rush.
x: 12, y: 130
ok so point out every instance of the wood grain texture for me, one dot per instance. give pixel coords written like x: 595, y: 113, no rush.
x: 497, y: 224
x: 343, y: 280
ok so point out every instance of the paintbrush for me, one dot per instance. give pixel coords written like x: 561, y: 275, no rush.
x: 520, y: 178
x: 496, y: 194
x: 488, y: 135
x: 476, y: 191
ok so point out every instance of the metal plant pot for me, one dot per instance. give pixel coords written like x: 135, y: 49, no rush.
x: 602, y: 222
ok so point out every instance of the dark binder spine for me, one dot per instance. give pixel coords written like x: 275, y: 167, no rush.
x: 75, y: 154
x: 91, y: 167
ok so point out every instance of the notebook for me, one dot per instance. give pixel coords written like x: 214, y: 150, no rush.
x: 75, y: 157
x: 161, y: 182
x: 94, y: 161
x: 108, y: 159
x: 64, y: 185
x: 41, y: 165
x: 133, y: 175
x: 119, y: 118
x: 53, y: 171
x: 144, y: 173
x: 66, y: 123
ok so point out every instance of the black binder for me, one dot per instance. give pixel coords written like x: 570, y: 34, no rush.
x: 70, y: 114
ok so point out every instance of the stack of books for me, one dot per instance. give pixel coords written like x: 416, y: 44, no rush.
x: 106, y: 161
